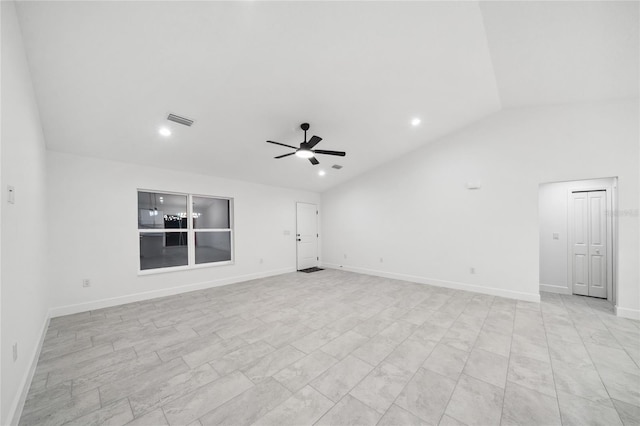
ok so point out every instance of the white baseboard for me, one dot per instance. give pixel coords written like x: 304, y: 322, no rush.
x: 15, y: 411
x: 628, y: 313
x: 137, y: 297
x: 529, y: 297
x: 549, y: 288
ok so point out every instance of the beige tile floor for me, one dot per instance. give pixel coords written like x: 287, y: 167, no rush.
x: 339, y: 348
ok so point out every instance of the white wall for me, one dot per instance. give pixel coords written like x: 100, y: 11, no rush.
x: 416, y: 213
x: 553, y: 216
x: 93, y: 231
x: 25, y: 288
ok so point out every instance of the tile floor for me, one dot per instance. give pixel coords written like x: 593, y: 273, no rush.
x: 339, y: 348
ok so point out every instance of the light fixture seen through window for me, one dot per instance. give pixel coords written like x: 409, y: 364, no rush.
x: 164, y: 131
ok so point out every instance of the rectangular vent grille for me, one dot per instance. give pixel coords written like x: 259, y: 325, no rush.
x: 180, y: 120
x: 336, y: 166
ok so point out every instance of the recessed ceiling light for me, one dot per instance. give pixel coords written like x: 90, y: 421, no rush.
x: 322, y: 173
x: 164, y: 131
x: 415, y: 121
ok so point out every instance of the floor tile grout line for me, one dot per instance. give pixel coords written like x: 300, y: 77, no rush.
x: 599, y: 376
x: 353, y: 387
x: 553, y: 373
x: 421, y: 366
x: 636, y: 361
x: 133, y: 416
x: 506, y: 378
x: 367, y: 375
x: 465, y: 365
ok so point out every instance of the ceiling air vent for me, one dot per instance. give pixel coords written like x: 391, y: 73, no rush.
x: 336, y: 166
x: 180, y: 120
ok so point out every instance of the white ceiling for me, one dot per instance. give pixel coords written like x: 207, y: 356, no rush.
x: 556, y: 52
x: 107, y: 73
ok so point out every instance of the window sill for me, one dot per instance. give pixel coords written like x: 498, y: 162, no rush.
x: 183, y: 268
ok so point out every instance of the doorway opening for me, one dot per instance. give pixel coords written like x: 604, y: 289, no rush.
x: 578, y: 237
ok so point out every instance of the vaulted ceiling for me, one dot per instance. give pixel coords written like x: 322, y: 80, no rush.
x: 106, y: 75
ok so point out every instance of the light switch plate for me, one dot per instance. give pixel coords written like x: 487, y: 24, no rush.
x: 556, y: 236
x: 11, y: 194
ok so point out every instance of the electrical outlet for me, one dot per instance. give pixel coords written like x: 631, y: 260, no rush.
x: 86, y: 282
x: 11, y: 194
x: 15, y: 352
x: 472, y: 270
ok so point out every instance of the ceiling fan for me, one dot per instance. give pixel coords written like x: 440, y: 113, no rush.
x: 306, y: 148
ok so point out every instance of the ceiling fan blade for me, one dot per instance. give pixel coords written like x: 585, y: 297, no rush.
x: 285, y: 155
x: 320, y: 151
x: 313, y: 141
x: 314, y: 161
x: 278, y: 143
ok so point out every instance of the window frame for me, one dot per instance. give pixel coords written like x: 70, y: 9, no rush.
x: 191, y: 232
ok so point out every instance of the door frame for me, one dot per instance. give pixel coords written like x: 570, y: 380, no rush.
x: 317, y: 232
x: 612, y: 237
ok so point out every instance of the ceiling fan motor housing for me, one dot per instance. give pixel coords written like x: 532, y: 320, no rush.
x: 306, y: 147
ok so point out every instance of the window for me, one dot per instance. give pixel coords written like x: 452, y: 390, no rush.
x: 169, y: 240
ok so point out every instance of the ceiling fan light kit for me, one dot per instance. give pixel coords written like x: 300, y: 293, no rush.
x: 304, y: 153
x: 305, y: 150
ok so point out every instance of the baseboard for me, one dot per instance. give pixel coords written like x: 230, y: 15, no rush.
x: 137, y: 297
x: 18, y: 404
x: 549, y: 288
x: 529, y: 297
x: 628, y: 313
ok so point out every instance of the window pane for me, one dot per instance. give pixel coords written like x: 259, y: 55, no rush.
x: 157, y: 210
x: 211, y: 213
x: 213, y: 246
x: 163, y: 249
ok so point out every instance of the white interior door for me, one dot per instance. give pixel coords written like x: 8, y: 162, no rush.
x: 579, y: 256
x: 589, y: 243
x: 597, y: 244
x: 307, y: 235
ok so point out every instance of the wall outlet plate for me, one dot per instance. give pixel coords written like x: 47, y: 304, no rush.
x: 86, y: 282
x: 11, y: 194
